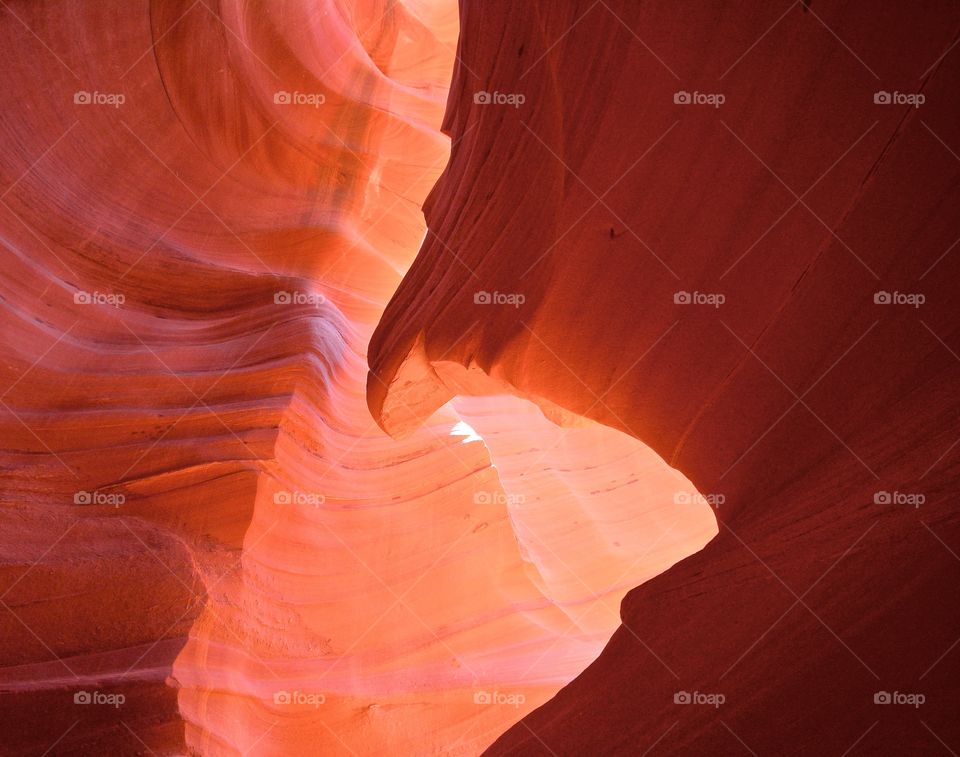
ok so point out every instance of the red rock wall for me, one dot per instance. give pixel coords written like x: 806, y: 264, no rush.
x: 817, y: 390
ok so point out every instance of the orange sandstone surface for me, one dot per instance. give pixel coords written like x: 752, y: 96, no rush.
x: 207, y: 544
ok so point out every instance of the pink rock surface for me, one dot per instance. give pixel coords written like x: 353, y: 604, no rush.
x: 206, y: 207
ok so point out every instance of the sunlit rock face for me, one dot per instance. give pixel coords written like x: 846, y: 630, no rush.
x: 208, y: 544
x: 593, y: 511
x: 763, y: 289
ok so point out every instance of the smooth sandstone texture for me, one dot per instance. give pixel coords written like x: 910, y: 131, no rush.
x: 807, y: 399
x: 205, y: 208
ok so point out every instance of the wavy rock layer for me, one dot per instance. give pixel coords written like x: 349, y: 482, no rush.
x: 208, y: 545
x: 763, y: 289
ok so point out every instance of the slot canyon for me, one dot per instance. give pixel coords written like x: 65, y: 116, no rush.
x: 438, y: 377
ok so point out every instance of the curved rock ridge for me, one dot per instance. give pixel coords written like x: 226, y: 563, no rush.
x: 208, y: 546
x: 729, y: 231
x: 593, y: 510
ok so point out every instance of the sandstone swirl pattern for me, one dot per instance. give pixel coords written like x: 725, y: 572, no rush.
x: 205, y: 208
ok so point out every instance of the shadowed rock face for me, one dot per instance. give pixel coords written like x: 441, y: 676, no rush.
x: 618, y: 196
x: 207, y: 545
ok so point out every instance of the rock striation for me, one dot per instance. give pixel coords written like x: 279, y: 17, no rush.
x: 728, y: 230
x: 208, y: 544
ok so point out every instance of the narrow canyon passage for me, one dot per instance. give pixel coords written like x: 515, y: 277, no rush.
x: 447, y: 377
x: 208, y: 544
